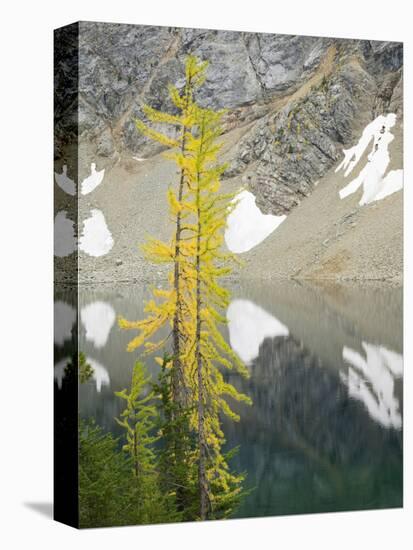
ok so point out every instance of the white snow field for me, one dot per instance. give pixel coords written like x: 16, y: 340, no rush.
x: 64, y: 182
x: 376, y: 186
x: 64, y: 319
x: 64, y: 235
x: 96, y: 239
x: 98, y: 319
x: 247, y: 226
x: 372, y: 382
x: 391, y: 183
x: 248, y: 326
x: 91, y: 182
x: 87, y: 185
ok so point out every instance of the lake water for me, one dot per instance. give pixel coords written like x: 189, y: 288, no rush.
x: 324, y: 432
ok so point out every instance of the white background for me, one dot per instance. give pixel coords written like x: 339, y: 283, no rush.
x: 26, y: 270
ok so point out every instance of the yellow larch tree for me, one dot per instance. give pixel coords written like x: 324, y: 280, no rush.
x: 167, y: 308
x: 194, y: 301
x: 206, y: 351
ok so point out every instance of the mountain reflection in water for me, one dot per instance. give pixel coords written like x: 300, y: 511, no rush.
x: 324, y: 432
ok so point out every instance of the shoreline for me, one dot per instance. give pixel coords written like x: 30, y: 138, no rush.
x: 311, y: 281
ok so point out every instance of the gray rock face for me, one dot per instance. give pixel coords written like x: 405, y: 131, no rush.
x: 289, y: 150
x: 282, y: 61
x: 304, y: 98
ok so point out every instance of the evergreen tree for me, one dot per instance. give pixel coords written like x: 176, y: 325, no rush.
x: 85, y: 369
x: 104, y: 479
x: 139, y: 421
x: 177, y: 469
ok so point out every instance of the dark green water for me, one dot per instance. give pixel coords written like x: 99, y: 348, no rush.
x: 324, y: 432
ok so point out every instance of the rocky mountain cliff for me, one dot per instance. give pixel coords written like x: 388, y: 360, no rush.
x: 293, y: 102
x: 303, y: 97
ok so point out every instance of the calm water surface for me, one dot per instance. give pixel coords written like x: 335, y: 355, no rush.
x: 324, y: 432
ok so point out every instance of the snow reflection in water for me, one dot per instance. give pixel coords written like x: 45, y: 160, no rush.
x: 248, y: 326
x: 98, y: 319
x: 371, y: 380
x: 64, y: 319
x: 100, y: 373
x: 309, y: 442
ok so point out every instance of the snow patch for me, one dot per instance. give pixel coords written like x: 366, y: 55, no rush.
x: 64, y: 319
x: 391, y: 183
x: 372, y: 382
x: 88, y: 184
x: 64, y: 235
x: 247, y: 226
x: 98, y: 319
x: 96, y: 239
x: 64, y: 182
x: 248, y: 326
x: 371, y: 177
x: 91, y: 182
